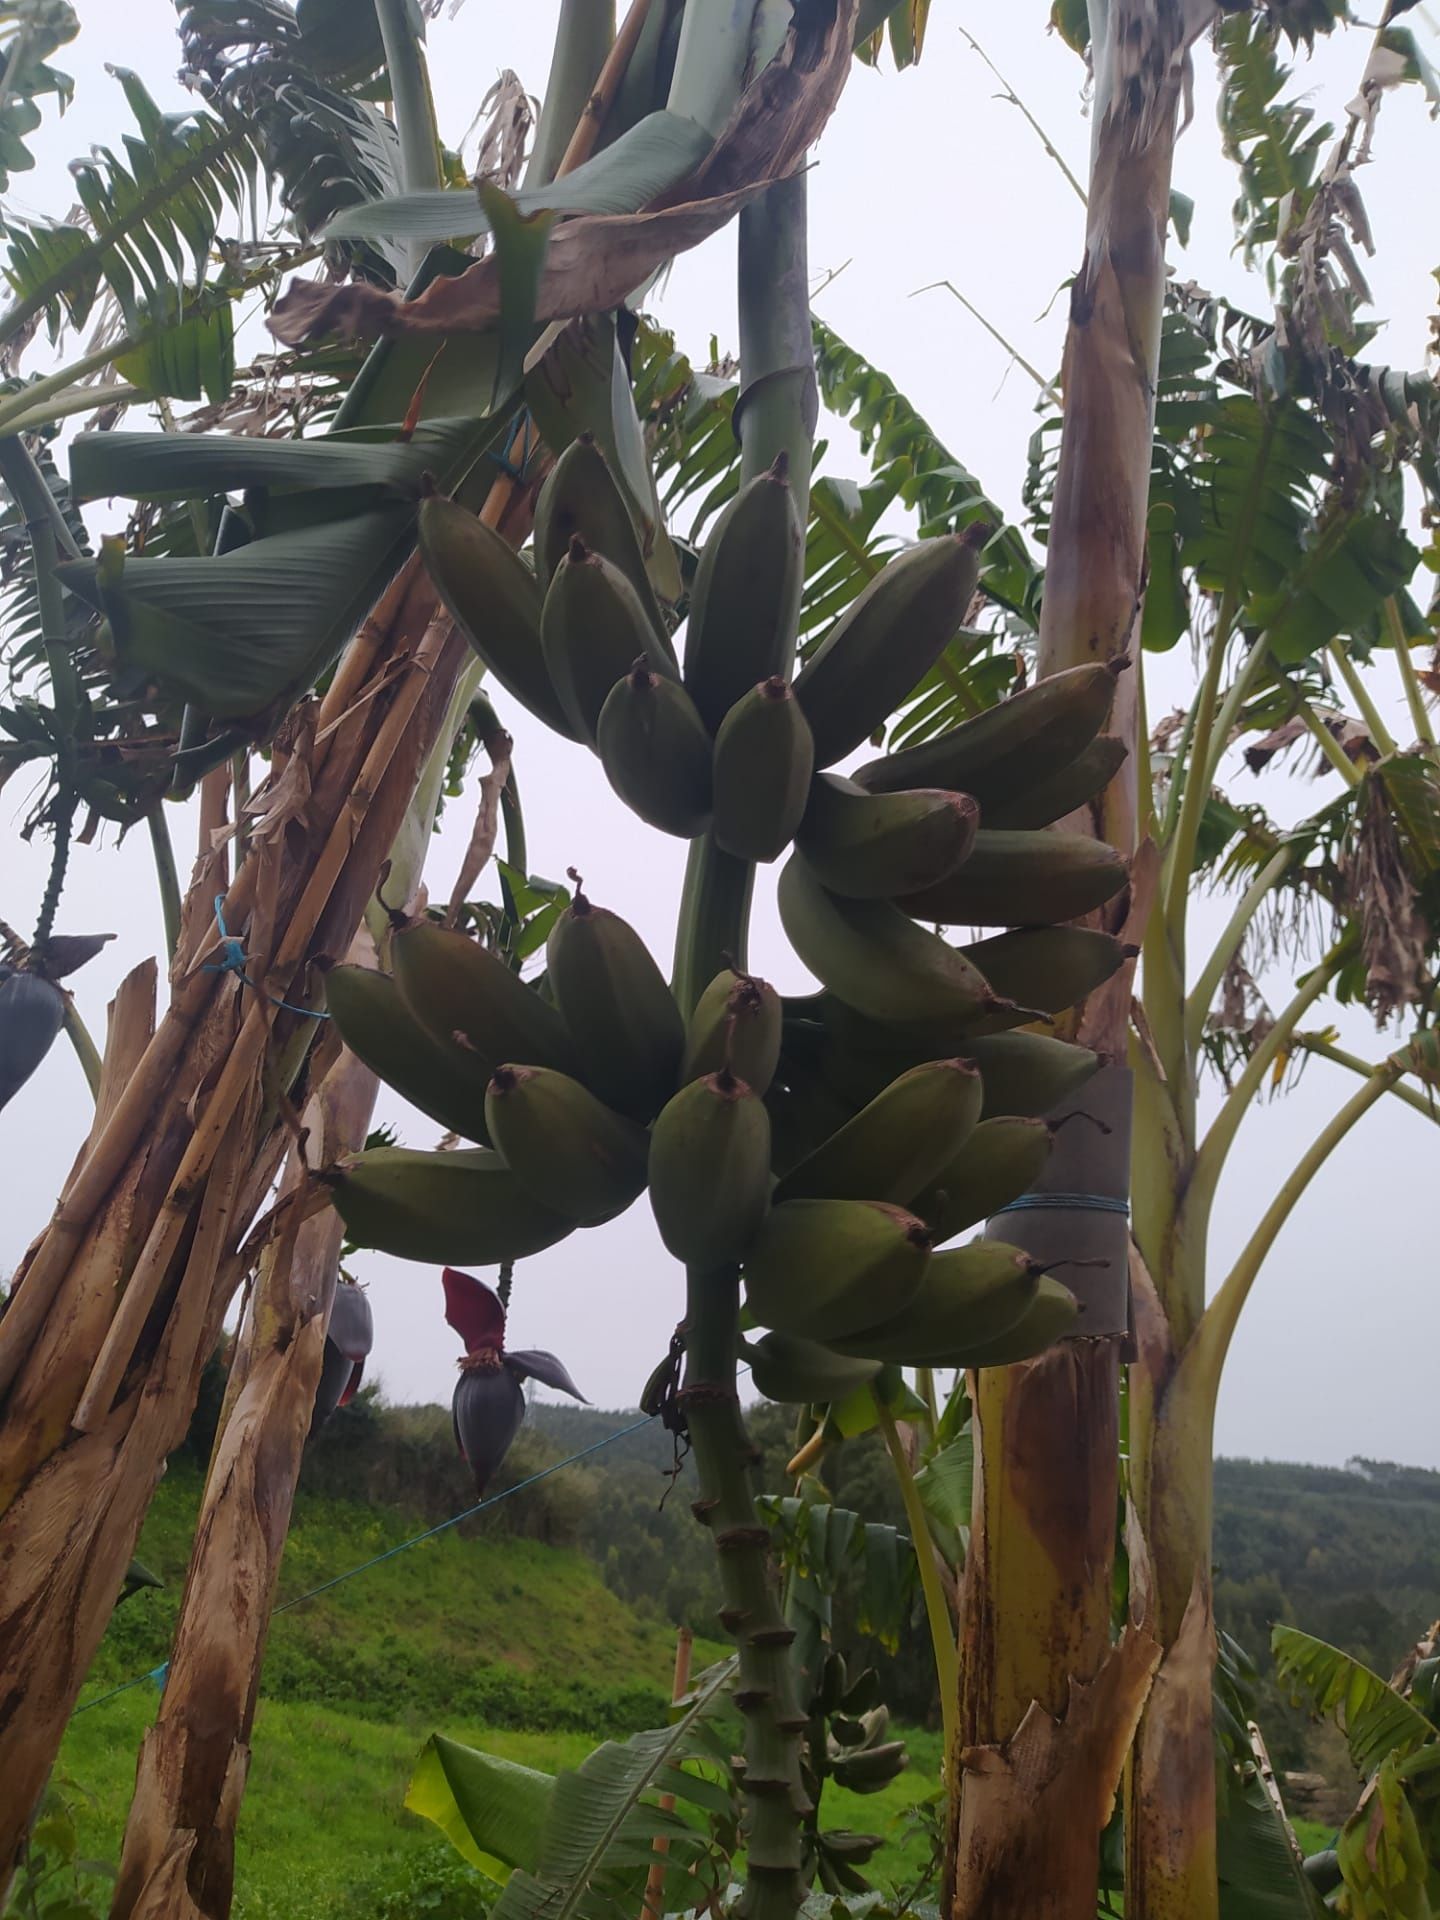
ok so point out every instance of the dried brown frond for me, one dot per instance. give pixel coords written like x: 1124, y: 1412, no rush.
x: 1378, y: 888
x: 507, y: 115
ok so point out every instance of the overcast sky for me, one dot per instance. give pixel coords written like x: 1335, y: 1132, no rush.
x: 920, y: 177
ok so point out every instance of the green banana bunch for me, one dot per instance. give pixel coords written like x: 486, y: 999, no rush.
x: 887, y: 640
x: 804, y: 1373
x: 1002, y: 1159
x: 736, y: 1024
x: 898, y: 1146
x: 492, y: 596
x: 568, y: 1150
x: 710, y: 1170
x: 1051, y: 1316
x: 870, y: 1768
x: 1044, y: 969
x: 994, y: 755
x: 1016, y: 879
x: 1029, y: 1073
x: 656, y: 752
x: 467, y: 999
x: 969, y: 1296
x: 820, y: 1268
x: 593, y: 628
x: 613, y: 998
x: 581, y: 499
x: 879, y: 846
x: 465, y: 1207
x: 745, y: 603
x: 875, y: 957
x: 763, y: 761
x: 445, y: 1083
x: 1059, y: 793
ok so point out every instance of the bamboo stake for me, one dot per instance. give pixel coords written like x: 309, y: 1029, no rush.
x: 651, y: 1907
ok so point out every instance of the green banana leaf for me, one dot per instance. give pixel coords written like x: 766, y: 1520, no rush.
x: 29, y: 34
x: 623, y: 177
x: 492, y: 1811
x: 1375, y: 1719
x: 521, y: 239
x: 946, y: 1481
x: 1258, y: 1864
x: 1382, y: 1855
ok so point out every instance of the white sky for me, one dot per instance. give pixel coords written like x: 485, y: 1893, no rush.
x: 920, y: 177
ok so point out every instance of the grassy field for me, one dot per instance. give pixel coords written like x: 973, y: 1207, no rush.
x: 513, y: 1646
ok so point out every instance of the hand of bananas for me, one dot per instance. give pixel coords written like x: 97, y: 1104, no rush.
x: 829, y: 1144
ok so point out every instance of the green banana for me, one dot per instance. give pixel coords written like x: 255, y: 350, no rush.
x: 1028, y: 1073
x: 822, y: 1268
x: 467, y: 998
x: 566, y: 1148
x: 464, y: 1208
x: 969, y: 1296
x: 887, y: 640
x: 1045, y: 969
x: 1051, y: 1315
x: 804, y: 1373
x: 763, y: 762
x: 871, y: 1768
x: 1054, y: 795
x: 875, y: 958
x: 1001, y: 1160
x: 897, y: 1146
x: 995, y: 755
x: 710, y: 1170
x: 592, y: 630
x: 656, y: 752
x: 580, y: 497
x: 737, y: 1024
x: 445, y: 1083
x: 1022, y: 879
x: 875, y: 846
x: 746, y: 599
x: 491, y: 595
x: 613, y: 998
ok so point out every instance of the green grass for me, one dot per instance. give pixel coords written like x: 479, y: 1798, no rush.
x: 505, y: 1643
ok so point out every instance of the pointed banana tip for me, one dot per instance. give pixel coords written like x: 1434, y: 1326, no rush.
x: 977, y: 535
x: 1120, y: 664
x: 577, y: 551
x: 504, y: 1080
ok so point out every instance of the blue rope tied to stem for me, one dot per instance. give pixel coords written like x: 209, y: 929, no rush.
x: 1066, y: 1203
x: 232, y: 960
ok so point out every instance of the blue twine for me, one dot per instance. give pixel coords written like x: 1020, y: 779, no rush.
x: 158, y: 1674
x: 1067, y: 1203
x: 502, y: 460
x: 232, y: 960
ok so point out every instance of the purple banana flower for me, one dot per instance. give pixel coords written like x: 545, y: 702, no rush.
x: 32, y: 1008
x: 348, y: 1340
x: 489, y: 1403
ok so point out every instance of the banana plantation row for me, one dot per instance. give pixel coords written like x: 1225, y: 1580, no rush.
x: 476, y: 466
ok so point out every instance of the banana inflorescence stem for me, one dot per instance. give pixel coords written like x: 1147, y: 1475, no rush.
x: 775, y: 1798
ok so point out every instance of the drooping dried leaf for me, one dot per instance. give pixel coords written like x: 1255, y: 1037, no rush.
x: 596, y: 260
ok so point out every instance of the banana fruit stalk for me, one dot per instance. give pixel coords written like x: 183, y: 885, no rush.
x: 580, y: 499
x: 737, y: 1023
x: 1013, y: 879
x: 876, y: 959
x: 1002, y: 1159
x: 994, y: 755
x: 466, y: 997
x: 465, y: 1207
x: 887, y: 640
x: 656, y: 752
x: 878, y: 846
x: 569, y: 1151
x: 710, y: 1170
x: 745, y: 604
x: 968, y: 1298
x: 491, y: 595
x: 825, y: 1268
x: 764, y: 757
x: 445, y: 1083
x: 803, y: 1372
x: 614, y: 1000
x: 899, y: 1145
x: 592, y: 630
